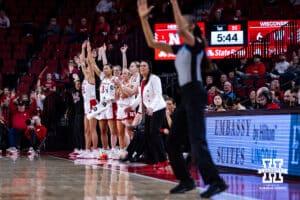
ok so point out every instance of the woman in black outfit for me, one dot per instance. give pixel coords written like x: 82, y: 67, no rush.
x: 151, y: 101
x: 190, y: 62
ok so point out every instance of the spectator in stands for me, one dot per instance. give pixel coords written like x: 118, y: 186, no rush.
x: 120, y: 29
x: 265, y: 100
x: 83, y: 30
x: 251, y: 103
x: 76, y: 114
x: 276, y: 98
x: 211, y: 93
x: 104, y: 6
x: 223, y: 79
x: 219, y: 105
x: 275, y: 86
x: 40, y: 97
x: 35, y: 133
x: 227, y: 93
x: 68, y: 73
x: 102, y: 27
x: 113, y: 53
x: 5, y: 95
x: 19, y: 116
x: 295, y: 97
x: 235, y: 104
x: 209, y: 82
x: 4, y: 103
x: 30, y: 104
x: 70, y: 28
x: 217, y: 17
x: 235, y: 80
x: 48, y: 86
x: 258, y: 68
x: 280, y: 67
x: 238, y: 15
x: 4, y: 20
x: 287, y: 99
x: 294, y: 66
x: 241, y: 68
x: 53, y: 28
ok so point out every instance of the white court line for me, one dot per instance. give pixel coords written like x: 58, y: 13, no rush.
x: 221, y: 196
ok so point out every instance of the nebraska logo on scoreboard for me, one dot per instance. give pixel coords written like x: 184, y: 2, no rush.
x: 168, y: 33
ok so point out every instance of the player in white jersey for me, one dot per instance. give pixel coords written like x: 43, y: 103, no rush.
x: 124, y: 99
x: 135, y: 78
x: 89, y: 96
x: 107, y: 96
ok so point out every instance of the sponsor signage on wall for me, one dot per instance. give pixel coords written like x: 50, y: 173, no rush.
x: 244, y: 141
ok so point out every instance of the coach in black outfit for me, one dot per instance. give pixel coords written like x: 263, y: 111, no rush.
x: 190, y: 61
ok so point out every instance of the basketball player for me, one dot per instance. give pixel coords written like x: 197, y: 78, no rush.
x: 89, y: 97
x: 107, y: 96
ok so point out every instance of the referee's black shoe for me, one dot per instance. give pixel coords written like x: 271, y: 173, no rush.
x: 214, y: 189
x: 183, y: 187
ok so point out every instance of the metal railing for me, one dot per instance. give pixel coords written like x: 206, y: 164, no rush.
x: 274, y: 43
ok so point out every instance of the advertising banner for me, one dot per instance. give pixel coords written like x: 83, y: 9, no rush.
x: 244, y: 141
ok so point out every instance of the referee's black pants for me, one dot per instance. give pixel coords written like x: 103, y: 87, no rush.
x: 154, y: 148
x: 189, y: 119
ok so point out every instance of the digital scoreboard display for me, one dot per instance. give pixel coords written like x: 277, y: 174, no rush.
x: 225, y: 38
x: 226, y: 34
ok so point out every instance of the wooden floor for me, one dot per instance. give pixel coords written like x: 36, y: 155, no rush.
x: 49, y: 177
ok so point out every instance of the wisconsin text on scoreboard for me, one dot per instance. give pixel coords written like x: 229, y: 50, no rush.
x: 223, y: 38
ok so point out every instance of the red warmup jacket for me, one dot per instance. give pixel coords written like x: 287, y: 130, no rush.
x: 18, y: 120
x: 273, y: 106
x: 256, y: 67
x: 40, y: 132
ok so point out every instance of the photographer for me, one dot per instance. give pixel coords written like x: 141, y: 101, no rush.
x: 18, y: 128
x: 35, y: 132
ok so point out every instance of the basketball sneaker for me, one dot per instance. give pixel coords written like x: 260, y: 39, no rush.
x: 30, y: 151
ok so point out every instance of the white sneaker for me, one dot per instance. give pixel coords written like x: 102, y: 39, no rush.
x: 83, y: 154
x: 74, y: 153
x: 122, y: 154
x: 116, y: 154
x: 12, y: 151
x: 31, y: 151
x: 96, y: 110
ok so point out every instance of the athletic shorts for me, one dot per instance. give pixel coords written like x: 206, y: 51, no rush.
x: 122, y: 115
x: 109, y: 114
x: 88, y: 105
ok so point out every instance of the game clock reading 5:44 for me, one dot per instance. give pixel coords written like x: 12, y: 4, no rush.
x: 220, y: 38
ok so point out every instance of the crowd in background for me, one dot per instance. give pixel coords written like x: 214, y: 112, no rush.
x: 252, y: 84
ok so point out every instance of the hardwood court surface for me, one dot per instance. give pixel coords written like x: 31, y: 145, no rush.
x: 54, y: 177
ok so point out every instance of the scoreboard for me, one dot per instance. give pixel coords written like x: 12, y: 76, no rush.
x: 223, y: 38
x: 227, y: 34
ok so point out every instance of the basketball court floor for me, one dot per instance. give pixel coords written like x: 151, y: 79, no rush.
x: 53, y: 176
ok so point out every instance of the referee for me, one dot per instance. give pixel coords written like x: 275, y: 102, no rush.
x: 190, y: 61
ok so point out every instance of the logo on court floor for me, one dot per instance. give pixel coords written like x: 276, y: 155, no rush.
x: 272, y: 170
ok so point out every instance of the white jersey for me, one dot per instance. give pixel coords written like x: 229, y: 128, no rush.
x: 107, y: 90
x: 135, y: 80
x: 88, y: 91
